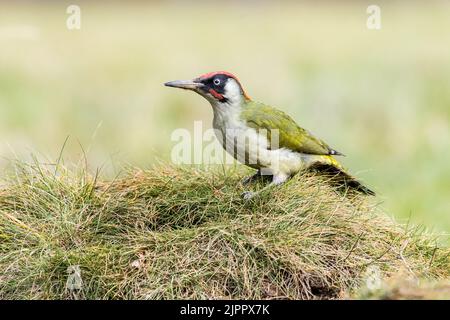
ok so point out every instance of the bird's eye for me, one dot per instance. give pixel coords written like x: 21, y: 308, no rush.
x: 216, y: 82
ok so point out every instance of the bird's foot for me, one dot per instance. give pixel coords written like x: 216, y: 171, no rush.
x: 247, y: 195
x: 277, y: 181
x: 257, y: 176
x: 251, y: 179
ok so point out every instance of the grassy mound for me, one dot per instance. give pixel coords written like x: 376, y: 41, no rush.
x: 186, y: 233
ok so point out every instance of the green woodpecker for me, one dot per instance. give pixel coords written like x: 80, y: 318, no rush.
x: 262, y: 136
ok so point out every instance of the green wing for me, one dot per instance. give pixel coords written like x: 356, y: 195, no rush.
x: 291, y: 136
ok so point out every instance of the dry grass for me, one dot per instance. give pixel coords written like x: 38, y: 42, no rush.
x: 186, y: 233
x: 380, y: 96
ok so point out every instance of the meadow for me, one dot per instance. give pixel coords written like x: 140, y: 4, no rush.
x: 382, y: 97
x: 184, y: 233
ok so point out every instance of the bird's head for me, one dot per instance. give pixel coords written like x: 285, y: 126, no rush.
x: 218, y: 88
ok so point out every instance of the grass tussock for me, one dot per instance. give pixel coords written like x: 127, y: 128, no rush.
x: 186, y: 233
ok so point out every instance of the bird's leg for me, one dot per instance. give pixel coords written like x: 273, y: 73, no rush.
x: 252, y: 178
x: 255, y: 177
x: 278, y: 179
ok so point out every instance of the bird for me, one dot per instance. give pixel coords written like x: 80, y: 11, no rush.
x: 264, y: 137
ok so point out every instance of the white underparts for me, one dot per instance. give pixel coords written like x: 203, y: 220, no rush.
x: 251, y: 147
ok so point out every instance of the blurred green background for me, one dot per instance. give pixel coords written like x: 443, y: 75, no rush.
x: 380, y: 96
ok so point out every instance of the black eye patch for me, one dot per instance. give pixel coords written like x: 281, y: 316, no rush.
x: 217, y: 83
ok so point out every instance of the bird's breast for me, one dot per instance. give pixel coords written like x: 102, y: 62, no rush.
x: 251, y: 148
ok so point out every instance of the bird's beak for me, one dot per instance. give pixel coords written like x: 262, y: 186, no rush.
x: 184, y: 84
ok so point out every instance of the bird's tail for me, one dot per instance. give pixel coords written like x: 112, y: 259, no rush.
x: 330, y: 166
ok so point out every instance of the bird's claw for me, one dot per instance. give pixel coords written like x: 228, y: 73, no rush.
x: 256, y: 177
x: 247, y: 195
x: 250, y: 179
